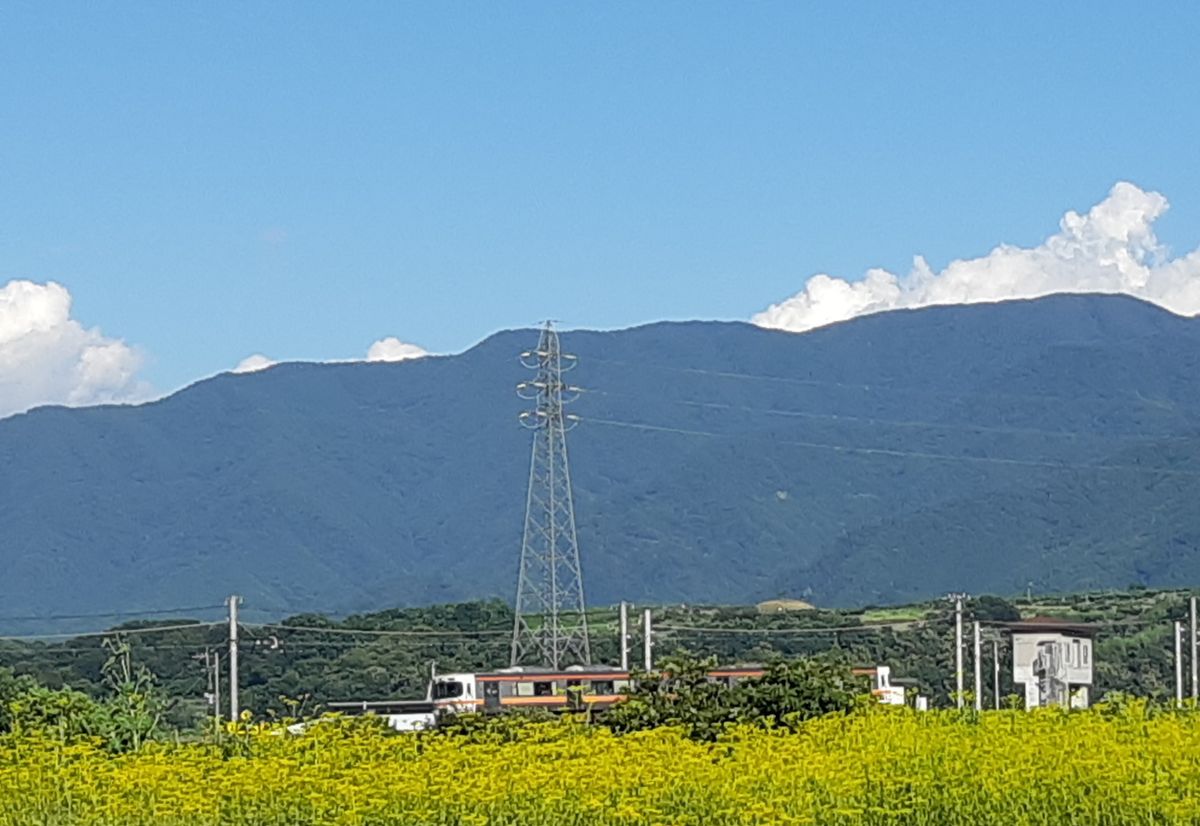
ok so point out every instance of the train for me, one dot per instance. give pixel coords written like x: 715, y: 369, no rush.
x: 575, y: 688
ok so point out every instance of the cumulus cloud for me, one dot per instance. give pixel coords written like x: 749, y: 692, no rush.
x: 1111, y: 249
x: 47, y: 357
x: 253, y: 363
x: 393, y: 349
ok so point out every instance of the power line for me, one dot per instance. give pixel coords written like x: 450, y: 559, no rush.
x: 379, y: 633
x: 836, y: 629
x: 111, y: 614
x: 904, y: 423
x: 863, y: 386
x: 110, y: 632
x: 909, y: 454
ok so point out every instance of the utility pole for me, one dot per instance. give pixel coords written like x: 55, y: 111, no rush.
x: 1178, y: 663
x: 647, y: 641
x: 212, y: 684
x: 234, y: 711
x: 958, y: 648
x: 1192, y: 651
x: 217, y: 690
x: 550, y: 627
x: 624, y: 635
x: 978, y: 663
x: 996, y: 675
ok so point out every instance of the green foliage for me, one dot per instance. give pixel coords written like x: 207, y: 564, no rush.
x: 683, y: 695
x: 134, y: 707
x: 124, y: 720
x: 310, y: 667
x: 11, y: 687
x: 495, y: 728
x: 989, y: 608
x: 62, y: 713
x: 801, y: 689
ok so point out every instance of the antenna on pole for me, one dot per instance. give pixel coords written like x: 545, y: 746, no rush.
x: 550, y: 628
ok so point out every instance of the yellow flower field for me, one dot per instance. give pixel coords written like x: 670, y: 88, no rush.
x: 884, y: 766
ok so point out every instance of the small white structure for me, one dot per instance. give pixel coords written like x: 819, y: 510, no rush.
x: 401, y: 715
x: 1053, y: 659
x: 883, y: 689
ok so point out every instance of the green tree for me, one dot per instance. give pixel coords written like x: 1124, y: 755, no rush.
x: 994, y: 609
x: 684, y: 695
x: 63, y: 713
x: 800, y: 690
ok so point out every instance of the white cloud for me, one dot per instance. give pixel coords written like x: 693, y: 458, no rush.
x: 47, y: 357
x: 393, y: 349
x: 251, y: 364
x: 1111, y: 249
x: 385, y: 349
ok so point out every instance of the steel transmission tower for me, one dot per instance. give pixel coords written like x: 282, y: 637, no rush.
x: 551, y: 623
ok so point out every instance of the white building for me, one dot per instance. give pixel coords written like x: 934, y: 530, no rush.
x: 1053, y: 659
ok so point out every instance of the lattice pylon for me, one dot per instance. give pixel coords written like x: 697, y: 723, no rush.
x: 550, y: 627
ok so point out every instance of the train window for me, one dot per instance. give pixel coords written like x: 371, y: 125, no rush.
x: 621, y: 686
x: 523, y: 689
x: 574, y: 683
x: 603, y: 687
x: 447, y: 690
x: 545, y: 689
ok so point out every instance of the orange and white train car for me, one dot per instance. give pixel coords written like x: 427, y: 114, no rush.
x: 581, y: 687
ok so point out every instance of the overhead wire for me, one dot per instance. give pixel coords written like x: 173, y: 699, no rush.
x: 110, y: 632
x: 911, y: 454
x: 148, y: 614
x: 832, y: 629
x: 381, y: 632
x: 875, y: 421
x: 863, y: 386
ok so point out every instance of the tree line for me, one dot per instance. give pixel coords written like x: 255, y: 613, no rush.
x: 117, y: 685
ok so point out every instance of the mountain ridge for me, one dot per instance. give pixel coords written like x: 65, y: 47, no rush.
x: 716, y: 461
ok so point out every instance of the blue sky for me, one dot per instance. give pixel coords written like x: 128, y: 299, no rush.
x: 212, y: 180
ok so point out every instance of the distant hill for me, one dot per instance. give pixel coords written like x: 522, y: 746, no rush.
x: 888, y: 458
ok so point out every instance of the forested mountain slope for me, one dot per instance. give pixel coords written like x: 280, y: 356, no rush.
x: 892, y: 457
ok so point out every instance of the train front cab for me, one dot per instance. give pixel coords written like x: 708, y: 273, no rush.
x: 455, y: 693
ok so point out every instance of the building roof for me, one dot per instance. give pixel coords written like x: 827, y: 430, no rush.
x: 1051, y: 625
